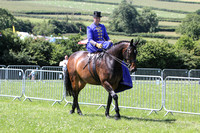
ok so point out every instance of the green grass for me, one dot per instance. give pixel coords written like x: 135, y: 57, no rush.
x: 40, y: 116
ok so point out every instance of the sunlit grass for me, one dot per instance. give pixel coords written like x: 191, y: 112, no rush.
x: 40, y: 116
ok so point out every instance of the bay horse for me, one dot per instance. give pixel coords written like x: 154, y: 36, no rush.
x: 108, y: 72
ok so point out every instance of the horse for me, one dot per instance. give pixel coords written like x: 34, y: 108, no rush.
x: 108, y: 72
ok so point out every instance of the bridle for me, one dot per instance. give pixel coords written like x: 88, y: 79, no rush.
x: 127, y: 54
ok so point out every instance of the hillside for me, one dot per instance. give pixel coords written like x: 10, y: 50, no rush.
x: 170, y: 13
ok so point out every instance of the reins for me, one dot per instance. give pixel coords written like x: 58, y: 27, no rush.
x: 117, y: 59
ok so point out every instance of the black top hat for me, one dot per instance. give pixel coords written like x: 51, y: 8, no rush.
x: 97, y: 14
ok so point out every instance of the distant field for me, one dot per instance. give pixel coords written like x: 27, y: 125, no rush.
x: 53, y: 9
x: 167, y: 5
x: 164, y: 23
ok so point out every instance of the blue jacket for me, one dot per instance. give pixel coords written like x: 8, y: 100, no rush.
x: 99, y: 35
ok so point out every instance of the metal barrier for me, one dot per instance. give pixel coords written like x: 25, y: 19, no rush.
x: 182, y: 95
x: 146, y: 94
x: 24, y: 67
x: 50, y: 88
x: 195, y: 73
x: 174, y: 72
x: 11, y: 83
x: 148, y: 71
x: 53, y: 68
x: 2, y: 66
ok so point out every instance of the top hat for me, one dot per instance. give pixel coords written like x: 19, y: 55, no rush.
x: 97, y: 14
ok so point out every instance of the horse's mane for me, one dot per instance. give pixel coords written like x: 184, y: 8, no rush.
x: 123, y: 41
x: 113, y: 48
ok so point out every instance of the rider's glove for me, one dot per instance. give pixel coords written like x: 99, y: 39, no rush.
x: 99, y: 45
x: 110, y: 41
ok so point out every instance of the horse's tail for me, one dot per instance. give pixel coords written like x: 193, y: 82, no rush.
x: 68, y: 84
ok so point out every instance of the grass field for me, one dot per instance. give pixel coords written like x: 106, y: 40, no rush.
x: 40, y: 116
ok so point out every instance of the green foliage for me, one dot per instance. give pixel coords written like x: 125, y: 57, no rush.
x: 148, y: 21
x: 6, y: 19
x: 58, y: 27
x: 35, y: 51
x: 125, y: 18
x: 190, y: 26
x: 188, y: 51
x: 155, y: 54
x: 65, y: 47
x: 23, y: 26
x: 43, y: 29
x: 13, y: 50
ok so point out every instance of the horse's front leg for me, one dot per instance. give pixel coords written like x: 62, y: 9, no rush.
x: 114, y: 96
x: 108, y: 105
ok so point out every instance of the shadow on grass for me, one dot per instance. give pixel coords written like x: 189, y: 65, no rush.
x: 146, y: 119
x: 134, y: 118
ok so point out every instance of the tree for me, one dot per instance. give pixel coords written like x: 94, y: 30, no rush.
x: 148, y: 21
x: 190, y: 26
x: 124, y: 18
x: 6, y: 19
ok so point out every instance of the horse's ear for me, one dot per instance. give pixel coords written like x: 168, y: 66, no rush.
x: 131, y: 44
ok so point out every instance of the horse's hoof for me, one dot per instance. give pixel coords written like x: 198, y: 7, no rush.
x: 107, y: 116
x: 117, y: 117
x: 71, y: 112
x: 80, y: 113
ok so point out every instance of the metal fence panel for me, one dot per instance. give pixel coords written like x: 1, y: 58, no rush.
x: 2, y: 66
x: 53, y: 68
x: 146, y: 94
x: 195, y: 73
x: 148, y: 71
x: 182, y: 95
x: 11, y: 82
x: 91, y: 95
x: 24, y: 67
x: 174, y: 72
x: 49, y: 88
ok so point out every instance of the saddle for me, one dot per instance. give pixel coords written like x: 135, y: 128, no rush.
x: 94, y: 57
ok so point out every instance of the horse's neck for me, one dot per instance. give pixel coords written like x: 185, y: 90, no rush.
x: 117, y: 50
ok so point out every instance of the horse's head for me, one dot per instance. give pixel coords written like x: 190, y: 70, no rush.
x: 129, y: 54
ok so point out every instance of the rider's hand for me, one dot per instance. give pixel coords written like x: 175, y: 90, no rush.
x: 110, y: 41
x: 99, y: 45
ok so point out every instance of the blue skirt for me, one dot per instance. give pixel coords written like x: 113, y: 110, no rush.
x: 126, y: 82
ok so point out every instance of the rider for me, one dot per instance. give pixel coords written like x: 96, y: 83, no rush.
x: 98, y: 39
x: 97, y: 35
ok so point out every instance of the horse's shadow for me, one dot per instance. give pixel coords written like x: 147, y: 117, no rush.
x: 130, y: 118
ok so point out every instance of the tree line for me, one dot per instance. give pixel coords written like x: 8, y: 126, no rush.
x: 185, y: 53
